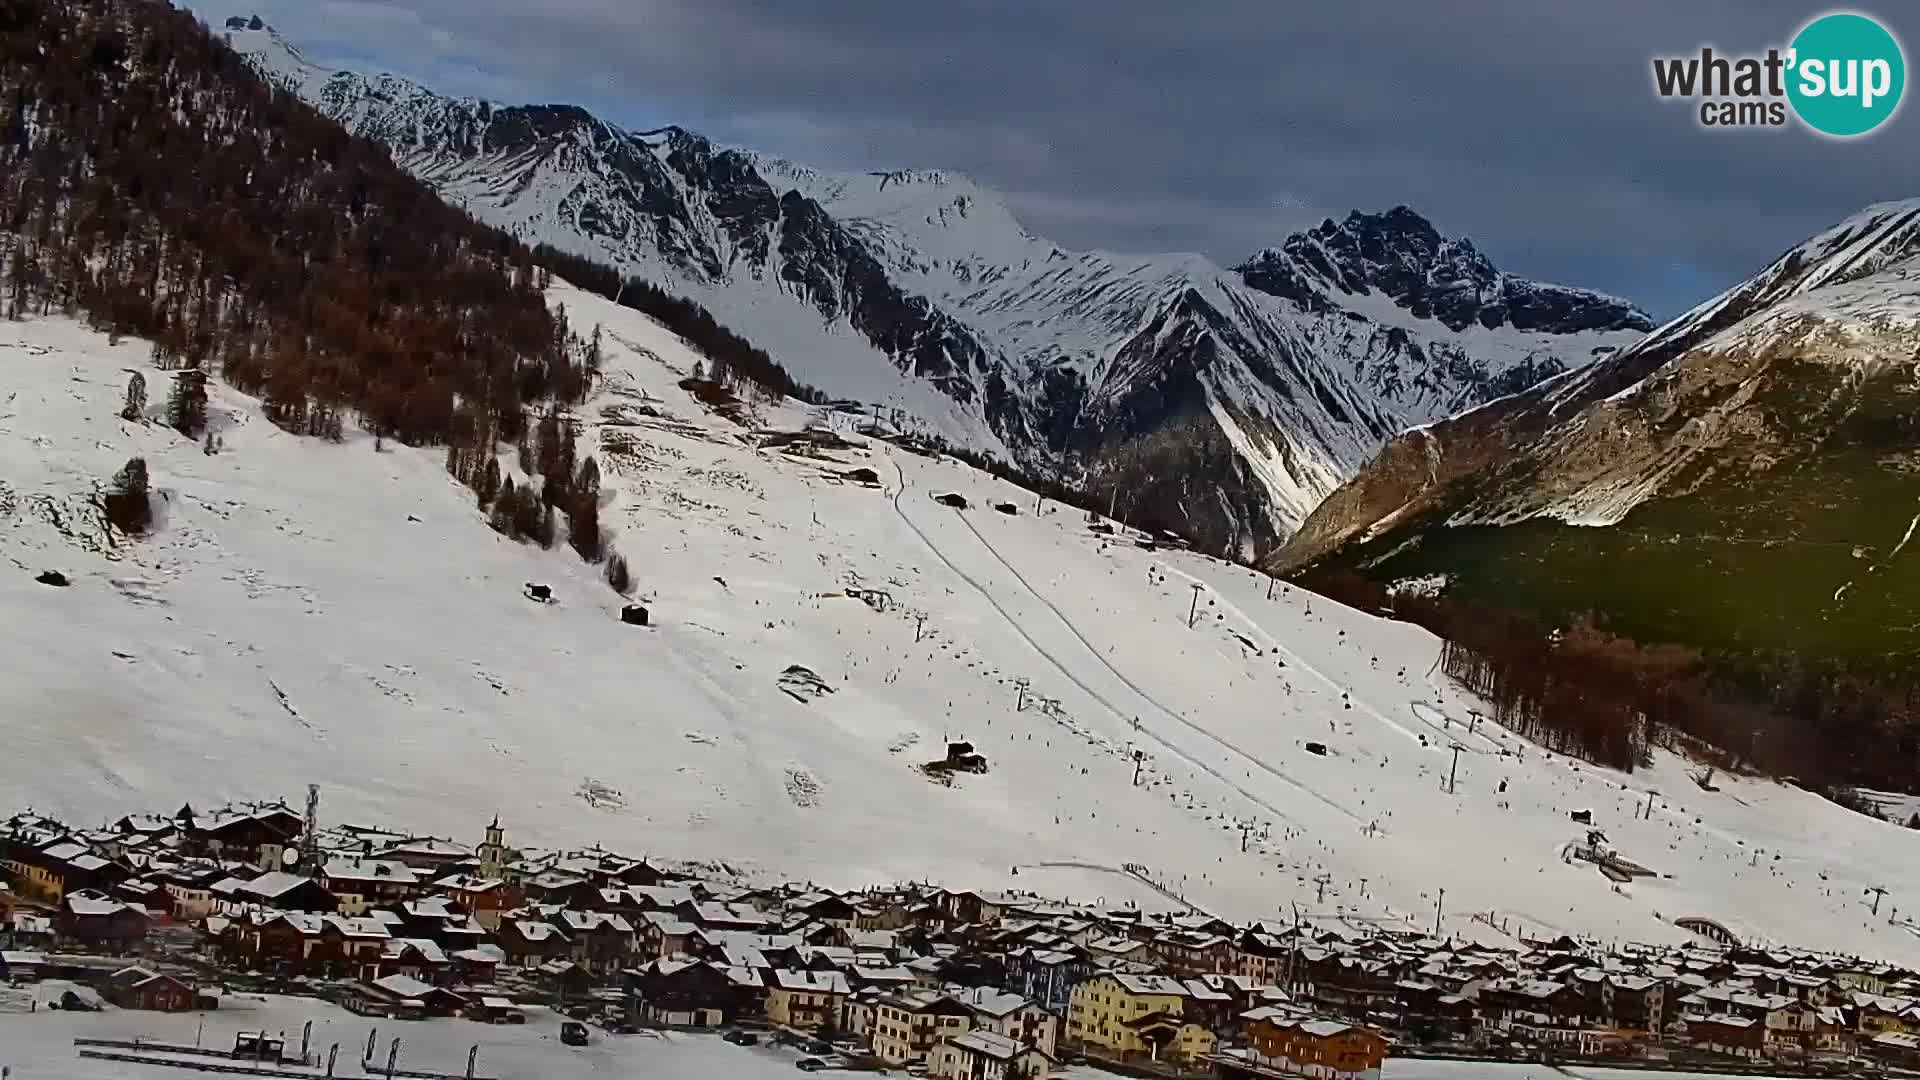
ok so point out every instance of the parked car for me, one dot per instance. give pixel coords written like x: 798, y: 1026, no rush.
x: 573, y: 1033
x: 742, y: 1038
x: 812, y: 1064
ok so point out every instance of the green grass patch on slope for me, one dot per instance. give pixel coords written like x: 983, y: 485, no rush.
x: 1798, y: 559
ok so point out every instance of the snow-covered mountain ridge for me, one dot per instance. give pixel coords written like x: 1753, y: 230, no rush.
x: 340, y: 614
x: 1777, y: 417
x: 1227, y: 402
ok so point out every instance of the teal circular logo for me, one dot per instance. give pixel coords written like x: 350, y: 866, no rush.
x: 1846, y: 76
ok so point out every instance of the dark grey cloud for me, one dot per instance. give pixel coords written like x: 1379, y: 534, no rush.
x: 1217, y: 126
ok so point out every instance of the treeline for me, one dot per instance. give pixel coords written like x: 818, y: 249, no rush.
x: 749, y: 370
x: 1600, y: 696
x: 733, y: 360
x: 155, y: 185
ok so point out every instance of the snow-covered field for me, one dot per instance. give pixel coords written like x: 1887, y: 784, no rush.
x: 326, y: 613
x: 40, y: 1047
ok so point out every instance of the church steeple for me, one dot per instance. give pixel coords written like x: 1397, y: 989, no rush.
x: 493, y: 851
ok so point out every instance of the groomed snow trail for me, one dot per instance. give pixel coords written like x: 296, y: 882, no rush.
x: 1124, y: 716
x: 1119, y: 871
x: 1295, y: 660
x: 1170, y: 713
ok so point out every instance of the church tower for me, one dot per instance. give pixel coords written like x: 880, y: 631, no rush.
x: 493, y: 852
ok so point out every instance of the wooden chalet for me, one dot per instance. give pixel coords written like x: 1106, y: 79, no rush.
x: 694, y: 993
x: 138, y: 988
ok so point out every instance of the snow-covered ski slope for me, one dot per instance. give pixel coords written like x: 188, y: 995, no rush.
x: 308, y: 612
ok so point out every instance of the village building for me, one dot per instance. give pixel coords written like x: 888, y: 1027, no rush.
x: 22, y: 965
x: 427, y: 854
x: 806, y: 999
x: 1133, y: 1016
x: 1320, y: 1049
x: 138, y: 988
x: 697, y: 993
x: 907, y: 1026
x: 400, y: 997
x: 189, y: 888
x: 275, y: 890
x: 486, y: 898
x: 1724, y: 1033
x: 985, y: 1055
x: 44, y: 868
x: 91, y: 921
x: 1012, y: 1016
x: 1047, y: 976
x: 360, y: 884
x: 529, y: 943
x: 259, y: 836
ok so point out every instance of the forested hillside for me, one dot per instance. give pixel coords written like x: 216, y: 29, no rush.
x: 153, y: 184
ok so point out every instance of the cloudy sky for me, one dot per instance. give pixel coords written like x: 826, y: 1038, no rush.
x: 1217, y: 126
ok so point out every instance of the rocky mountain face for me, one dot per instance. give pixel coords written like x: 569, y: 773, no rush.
x: 1747, y: 477
x: 1401, y: 256
x: 1226, y: 403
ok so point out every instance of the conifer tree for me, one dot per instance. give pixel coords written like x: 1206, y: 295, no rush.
x: 127, y: 506
x: 187, y: 405
x: 136, y: 406
x: 490, y: 481
x: 502, y: 518
x: 617, y: 573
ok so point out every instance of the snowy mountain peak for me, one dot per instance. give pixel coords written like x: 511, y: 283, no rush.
x: 919, y: 289
x: 1401, y: 255
x: 1793, y: 390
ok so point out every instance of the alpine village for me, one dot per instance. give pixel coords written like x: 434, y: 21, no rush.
x: 176, y: 912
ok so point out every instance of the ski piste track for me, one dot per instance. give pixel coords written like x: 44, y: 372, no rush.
x: 1123, y: 715
x: 1101, y: 868
x: 1294, y: 661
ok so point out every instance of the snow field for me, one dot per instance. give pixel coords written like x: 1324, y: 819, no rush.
x: 317, y: 613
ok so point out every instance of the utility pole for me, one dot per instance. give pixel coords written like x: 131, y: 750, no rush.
x: 1649, y: 814
x: 1020, y: 686
x: 1293, y: 950
x: 1194, y: 613
x: 1245, y: 828
x: 1453, y: 772
x: 1878, y: 891
x: 1473, y: 718
x: 1323, y: 881
x: 919, y: 628
x: 1439, y: 908
x: 1270, y: 583
x: 1139, y: 760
